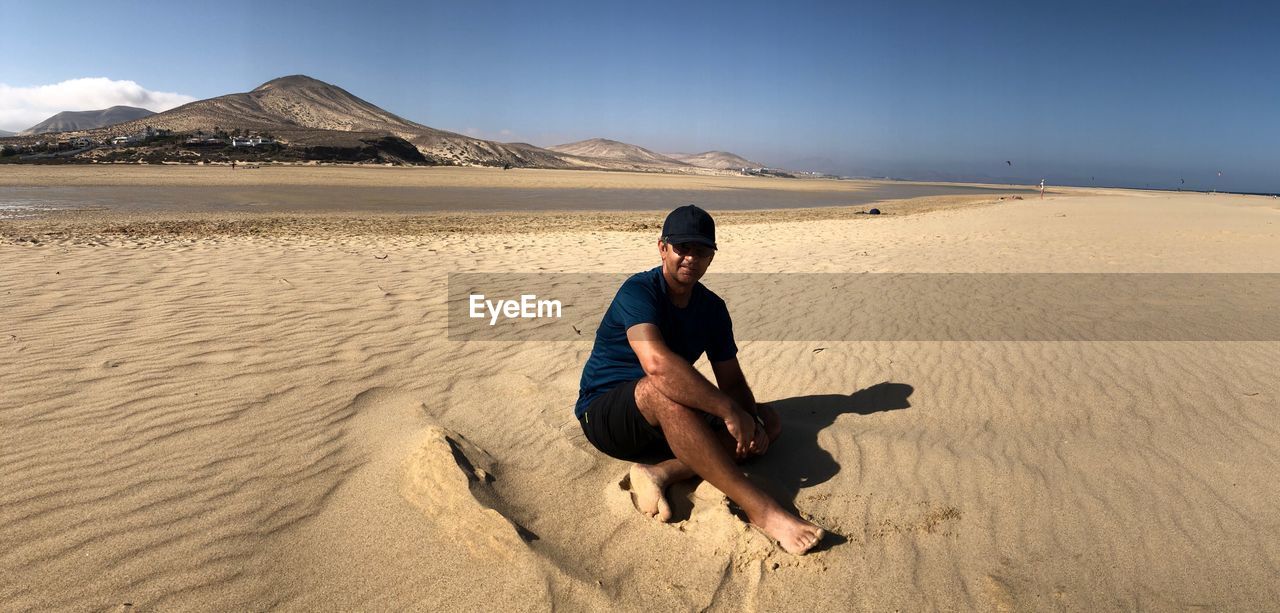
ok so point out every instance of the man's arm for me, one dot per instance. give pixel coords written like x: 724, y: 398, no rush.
x: 733, y: 382
x: 675, y: 377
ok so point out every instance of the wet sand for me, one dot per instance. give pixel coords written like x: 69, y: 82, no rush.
x: 421, y: 190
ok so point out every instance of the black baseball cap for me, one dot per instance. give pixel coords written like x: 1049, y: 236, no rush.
x: 690, y: 224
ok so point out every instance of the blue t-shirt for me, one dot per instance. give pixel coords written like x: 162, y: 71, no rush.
x: 701, y: 326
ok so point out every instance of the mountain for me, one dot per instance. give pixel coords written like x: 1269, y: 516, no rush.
x: 300, y: 110
x: 68, y: 121
x: 296, y: 102
x: 604, y: 148
x: 4, y: 133
x: 721, y: 160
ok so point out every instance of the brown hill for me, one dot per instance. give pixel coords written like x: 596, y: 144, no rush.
x: 67, y: 121
x: 722, y: 160
x: 301, y: 111
x: 604, y: 148
x: 305, y: 111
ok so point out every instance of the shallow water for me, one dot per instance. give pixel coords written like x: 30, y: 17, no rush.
x: 294, y: 198
x: 18, y: 208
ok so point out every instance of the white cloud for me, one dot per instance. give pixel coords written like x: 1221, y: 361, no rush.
x: 23, y: 107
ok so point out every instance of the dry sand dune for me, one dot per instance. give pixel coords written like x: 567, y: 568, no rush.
x: 278, y: 421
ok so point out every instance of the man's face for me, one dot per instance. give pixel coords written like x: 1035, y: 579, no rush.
x: 685, y: 262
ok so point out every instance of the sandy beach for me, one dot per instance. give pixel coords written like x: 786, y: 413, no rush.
x: 248, y: 411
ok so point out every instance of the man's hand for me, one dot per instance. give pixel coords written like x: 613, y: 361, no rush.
x: 742, y: 427
x: 759, y: 442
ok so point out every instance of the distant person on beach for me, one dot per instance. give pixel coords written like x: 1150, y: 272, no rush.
x: 642, y: 401
x: 1042, y: 189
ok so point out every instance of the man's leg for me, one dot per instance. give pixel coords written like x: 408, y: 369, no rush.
x: 649, y: 482
x: 700, y: 451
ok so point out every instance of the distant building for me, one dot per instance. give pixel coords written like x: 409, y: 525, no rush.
x: 146, y: 134
x: 205, y: 141
x: 250, y: 141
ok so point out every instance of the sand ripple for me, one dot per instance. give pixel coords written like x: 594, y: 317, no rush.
x: 239, y: 423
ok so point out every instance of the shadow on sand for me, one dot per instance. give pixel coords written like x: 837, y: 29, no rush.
x: 795, y: 461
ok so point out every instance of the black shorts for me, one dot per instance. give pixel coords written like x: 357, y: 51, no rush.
x: 614, y: 425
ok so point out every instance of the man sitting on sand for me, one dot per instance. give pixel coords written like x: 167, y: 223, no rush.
x: 642, y: 401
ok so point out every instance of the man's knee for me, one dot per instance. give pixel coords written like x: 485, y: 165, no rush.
x: 655, y: 406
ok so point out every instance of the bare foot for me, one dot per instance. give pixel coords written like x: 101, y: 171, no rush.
x: 795, y: 535
x: 647, y: 492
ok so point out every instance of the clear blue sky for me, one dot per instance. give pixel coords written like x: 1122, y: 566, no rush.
x: 1124, y: 92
